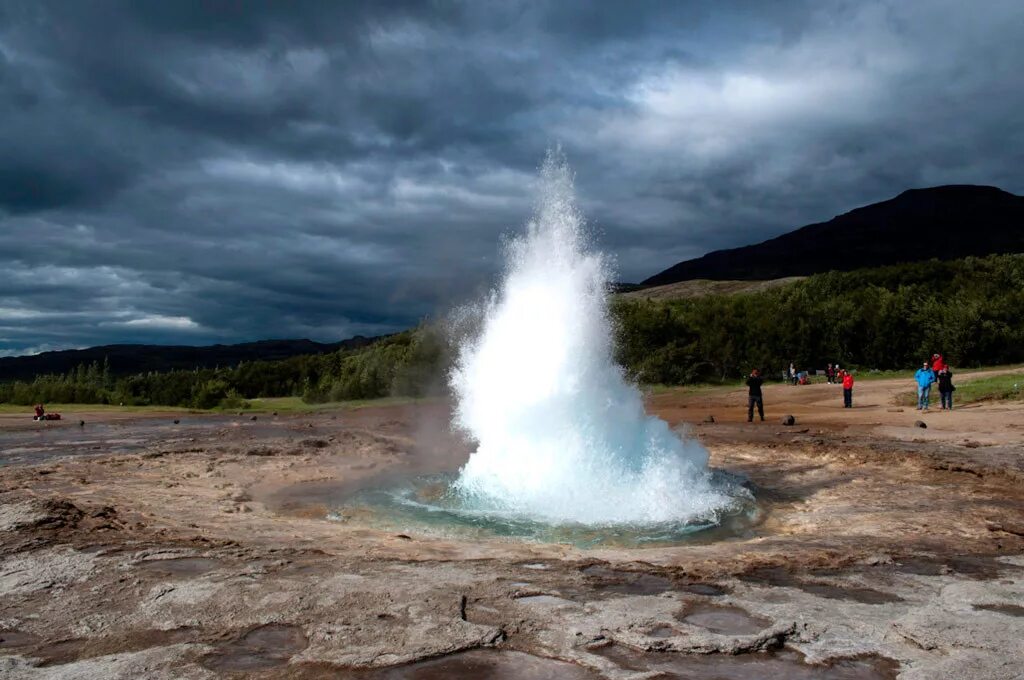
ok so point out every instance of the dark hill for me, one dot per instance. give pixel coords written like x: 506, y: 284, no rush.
x: 128, y: 359
x: 946, y: 222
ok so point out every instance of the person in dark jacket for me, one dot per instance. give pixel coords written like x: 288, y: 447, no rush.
x: 754, y: 395
x: 946, y: 387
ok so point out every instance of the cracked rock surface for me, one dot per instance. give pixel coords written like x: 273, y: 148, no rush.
x: 187, y: 555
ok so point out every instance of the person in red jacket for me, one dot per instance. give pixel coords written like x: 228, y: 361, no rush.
x: 937, y: 363
x: 847, y: 389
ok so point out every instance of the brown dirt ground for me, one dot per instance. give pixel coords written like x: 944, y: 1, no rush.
x: 878, y: 541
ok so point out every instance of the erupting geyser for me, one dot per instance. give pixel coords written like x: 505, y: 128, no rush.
x: 562, y: 435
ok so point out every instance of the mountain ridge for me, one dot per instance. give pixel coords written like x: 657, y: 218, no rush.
x: 945, y: 222
x: 126, y: 359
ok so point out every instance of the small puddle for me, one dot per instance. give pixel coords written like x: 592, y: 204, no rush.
x: 725, y: 620
x: 1008, y: 609
x: 785, y: 664
x: 662, y: 632
x: 264, y: 647
x: 705, y: 589
x: 627, y: 582
x: 781, y: 578
x: 17, y: 638
x: 181, y: 566
x: 480, y: 665
x: 979, y: 567
x: 862, y: 595
x: 75, y: 649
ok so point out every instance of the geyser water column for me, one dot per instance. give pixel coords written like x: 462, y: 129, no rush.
x: 561, y: 435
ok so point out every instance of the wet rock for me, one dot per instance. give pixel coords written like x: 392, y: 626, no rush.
x: 265, y: 647
x: 709, y: 420
x: 176, y: 421
x: 10, y: 639
x: 725, y: 620
x: 921, y: 424
x: 253, y: 418
x: 789, y: 420
x: 81, y: 423
x: 315, y: 443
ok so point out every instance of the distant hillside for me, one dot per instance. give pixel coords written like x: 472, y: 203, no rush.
x: 129, y: 359
x: 946, y: 222
x: 702, y: 287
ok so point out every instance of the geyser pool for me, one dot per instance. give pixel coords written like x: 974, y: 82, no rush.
x: 561, y: 435
x: 564, y: 449
x: 432, y: 505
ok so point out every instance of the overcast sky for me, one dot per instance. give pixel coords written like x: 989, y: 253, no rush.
x: 191, y: 172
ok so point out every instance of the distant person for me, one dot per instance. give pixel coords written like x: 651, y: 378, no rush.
x: 924, y: 377
x: 937, y: 363
x: 40, y: 411
x: 847, y: 390
x: 830, y: 374
x: 946, y: 387
x: 792, y: 373
x: 754, y: 397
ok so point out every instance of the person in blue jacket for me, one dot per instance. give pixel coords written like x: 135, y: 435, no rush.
x: 924, y: 377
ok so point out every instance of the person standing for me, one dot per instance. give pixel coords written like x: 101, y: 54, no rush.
x: 847, y: 390
x: 830, y: 374
x: 946, y: 387
x: 792, y: 373
x: 754, y: 395
x: 924, y: 377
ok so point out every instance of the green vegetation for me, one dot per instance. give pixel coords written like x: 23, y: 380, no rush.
x: 995, y: 388
x: 889, y: 318
x: 882, y: 321
x: 402, y: 365
x: 1007, y: 387
x: 102, y: 408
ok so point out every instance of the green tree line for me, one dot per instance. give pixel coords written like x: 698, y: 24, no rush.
x: 970, y: 310
x: 404, y: 364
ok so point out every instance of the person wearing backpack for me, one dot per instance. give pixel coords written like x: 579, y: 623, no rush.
x: 946, y: 387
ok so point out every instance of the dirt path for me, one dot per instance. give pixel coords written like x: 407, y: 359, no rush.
x: 879, y: 549
x: 875, y: 410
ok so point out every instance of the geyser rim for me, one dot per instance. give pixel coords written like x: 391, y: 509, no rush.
x: 387, y: 506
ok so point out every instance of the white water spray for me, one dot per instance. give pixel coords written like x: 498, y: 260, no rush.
x: 562, y: 436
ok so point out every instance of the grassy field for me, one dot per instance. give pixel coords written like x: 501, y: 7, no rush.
x: 97, y: 408
x: 1009, y: 387
x: 296, y: 405
x: 995, y: 388
x: 278, y: 404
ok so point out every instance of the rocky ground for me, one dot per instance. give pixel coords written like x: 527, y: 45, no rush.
x: 203, y: 550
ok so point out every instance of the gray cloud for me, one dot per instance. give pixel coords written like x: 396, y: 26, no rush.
x: 200, y: 172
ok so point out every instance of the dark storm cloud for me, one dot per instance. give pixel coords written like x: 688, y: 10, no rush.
x: 222, y: 171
